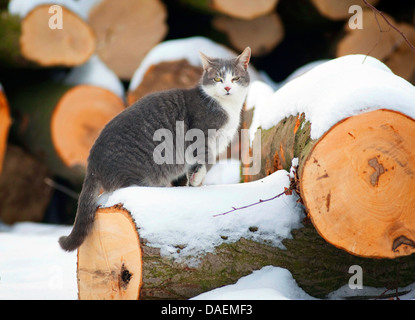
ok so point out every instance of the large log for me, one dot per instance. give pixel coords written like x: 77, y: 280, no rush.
x: 376, y: 219
x: 355, y: 180
x: 30, y: 41
x: 5, y: 122
x: 116, y: 262
x: 126, y: 30
x: 59, y: 123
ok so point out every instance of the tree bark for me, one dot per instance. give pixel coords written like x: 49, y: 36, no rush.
x: 348, y: 192
x: 59, y: 123
x: 115, y: 263
x: 31, y: 42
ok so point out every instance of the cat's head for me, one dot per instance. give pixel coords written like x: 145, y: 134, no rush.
x: 226, y: 79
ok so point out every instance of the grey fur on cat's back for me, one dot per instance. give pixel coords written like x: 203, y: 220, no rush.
x: 123, y: 153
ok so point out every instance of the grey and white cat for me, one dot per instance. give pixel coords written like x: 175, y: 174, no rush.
x: 123, y: 154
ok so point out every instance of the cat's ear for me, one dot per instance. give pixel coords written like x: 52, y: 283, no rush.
x: 206, y: 61
x: 244, y: 57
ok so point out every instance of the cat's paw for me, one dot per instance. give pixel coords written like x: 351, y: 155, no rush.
x: 198, y: 176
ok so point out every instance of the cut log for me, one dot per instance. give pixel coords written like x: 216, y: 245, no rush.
x: 355, y: 184
x: 376, y: 153
x: 379, y: 40
x: 126, y: 30
x: 59, y: 123
x: 337, y: 10
x: 32, y: 42
x: 115, y: 263
x: 244, y: 9
x: 24, y: 195
x: 261, y: 34
x: 5, y: 122
x: 365, y: 181
x: 116, y: 258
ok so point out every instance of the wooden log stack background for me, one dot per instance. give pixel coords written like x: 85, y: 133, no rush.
x: 47, y: 125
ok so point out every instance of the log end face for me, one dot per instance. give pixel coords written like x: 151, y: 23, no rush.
x: 110, y: 259
x: 70, y: 44
x: 361, y: 196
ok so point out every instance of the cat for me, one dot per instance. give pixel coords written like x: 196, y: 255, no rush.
x: 123, y: 153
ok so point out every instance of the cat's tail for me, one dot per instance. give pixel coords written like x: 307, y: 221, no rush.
x: 87, y: 205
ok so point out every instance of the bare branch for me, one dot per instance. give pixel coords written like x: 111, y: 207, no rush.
x: 376, y: 11
x: 286, y: 191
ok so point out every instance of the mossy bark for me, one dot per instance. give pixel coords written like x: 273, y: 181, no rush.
x: 10, y: 32
x: 289, y: 139
x: 318, y: 267
x: 32, y: 110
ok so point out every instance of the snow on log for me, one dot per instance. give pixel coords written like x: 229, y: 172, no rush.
x: 261, y: 34
x: 337, y: 10
x: 183, y: 245
x: 31, y: 40
x: 126, y: 30
x: 244, y: 9
x: 175, y: 64
x: 24, y: 195
x: 390, y: 48
x: 59, y: 123
x: 353, y: 137
x: 5, y: 122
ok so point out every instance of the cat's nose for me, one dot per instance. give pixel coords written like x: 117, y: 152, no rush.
x: 227, y: 89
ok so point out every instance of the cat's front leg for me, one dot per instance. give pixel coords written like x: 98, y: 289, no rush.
x: 197, y: 175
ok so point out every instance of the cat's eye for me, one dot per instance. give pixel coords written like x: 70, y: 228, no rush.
x: 218, y: 79
x: 235, y: 79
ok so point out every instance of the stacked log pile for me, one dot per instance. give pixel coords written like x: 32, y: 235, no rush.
x: 48, y: 123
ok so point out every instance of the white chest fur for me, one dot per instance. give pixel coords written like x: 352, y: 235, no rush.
x: 219, y: 142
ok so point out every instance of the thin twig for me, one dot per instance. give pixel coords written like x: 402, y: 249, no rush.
x: 252, y: 204
x: 376, y: 11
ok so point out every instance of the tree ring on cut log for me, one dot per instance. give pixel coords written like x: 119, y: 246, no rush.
x: 77, y: 120
x: 110, y: 259
x: 358, y: 184
x: 72, y: 45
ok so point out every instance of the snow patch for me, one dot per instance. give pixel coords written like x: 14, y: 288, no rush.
x: 335, y: 90
x: 80, y: 7
x: 190, y: 218
x: 269, y: 283
x: 96, y: 73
